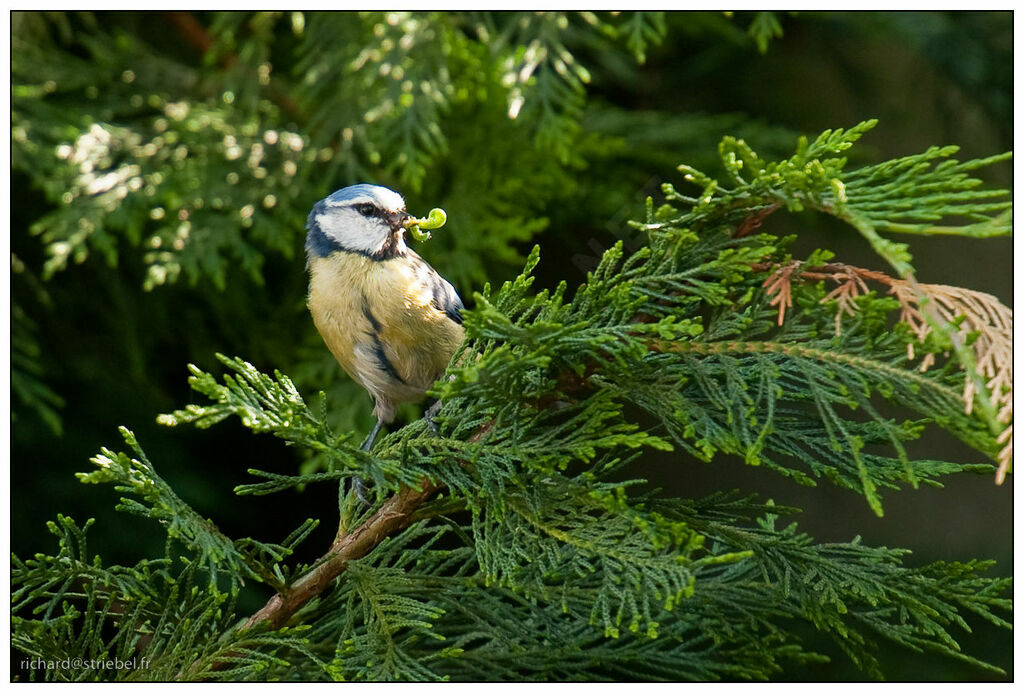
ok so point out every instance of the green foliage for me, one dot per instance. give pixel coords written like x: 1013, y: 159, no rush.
x: 764, y: 28
x: 26, y: 369
x: 643, y: 29
x: 181, y: 153
x: 887, y: 197
x: 855, y: 593
x: 158, y: 502
x: 69, y: 605
x: 543, y: 559
x: 380, y: 95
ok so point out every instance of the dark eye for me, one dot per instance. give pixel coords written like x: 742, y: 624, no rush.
x: 366, y: 209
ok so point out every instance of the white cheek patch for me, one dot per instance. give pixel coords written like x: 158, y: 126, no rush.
x: 352, y: 231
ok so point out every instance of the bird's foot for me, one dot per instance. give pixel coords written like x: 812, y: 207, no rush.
x: 361, y: 488
x: 429, y: 415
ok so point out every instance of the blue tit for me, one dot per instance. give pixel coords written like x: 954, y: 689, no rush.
x: 388, y: 317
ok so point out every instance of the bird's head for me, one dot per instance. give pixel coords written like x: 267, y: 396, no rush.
x: 365, y: 219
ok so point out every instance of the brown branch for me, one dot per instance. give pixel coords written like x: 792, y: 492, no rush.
x: 195, y: 34
x: 829, y: 271
x: 395, y: 515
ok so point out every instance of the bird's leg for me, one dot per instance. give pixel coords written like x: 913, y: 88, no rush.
x: 368, y: 443
x: 429, y: 415
x: 358, y: 485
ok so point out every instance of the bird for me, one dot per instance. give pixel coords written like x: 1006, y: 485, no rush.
x: 390, y: 320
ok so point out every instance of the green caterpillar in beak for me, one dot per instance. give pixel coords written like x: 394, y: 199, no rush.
x: 419, y: 228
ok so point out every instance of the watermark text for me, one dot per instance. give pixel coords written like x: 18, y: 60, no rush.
x: 83, y: 663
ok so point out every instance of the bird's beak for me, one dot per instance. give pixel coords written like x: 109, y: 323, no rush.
x: 399, y: 220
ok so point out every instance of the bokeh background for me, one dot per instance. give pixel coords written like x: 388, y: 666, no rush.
x: 163, y: 165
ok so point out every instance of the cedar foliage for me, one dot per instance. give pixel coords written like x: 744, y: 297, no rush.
x: 534, y: 551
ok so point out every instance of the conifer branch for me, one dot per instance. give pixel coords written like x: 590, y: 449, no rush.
x: 393, y: 516
x: 971, y: 313
x: 397, y: 513
x: 545, y: 559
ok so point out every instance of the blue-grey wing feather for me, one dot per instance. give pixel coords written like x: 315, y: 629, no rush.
x: 442, y: 294
x: 447, y: 299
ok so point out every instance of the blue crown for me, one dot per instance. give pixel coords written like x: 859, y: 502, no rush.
x: 353, y: 192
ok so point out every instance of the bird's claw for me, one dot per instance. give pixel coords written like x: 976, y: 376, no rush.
x: 361, y: 487
x: 429, y: 415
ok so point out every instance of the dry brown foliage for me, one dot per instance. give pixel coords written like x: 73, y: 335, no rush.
x: 981, y: 314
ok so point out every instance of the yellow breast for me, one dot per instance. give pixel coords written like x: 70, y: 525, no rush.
x: 379, y: 320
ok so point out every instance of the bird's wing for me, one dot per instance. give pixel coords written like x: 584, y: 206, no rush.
x: 442, y: 294
x: 446, y: 299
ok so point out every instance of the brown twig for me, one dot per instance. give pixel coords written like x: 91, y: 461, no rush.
x: 829, y: 271
x: 395, y: 515
x: 753, y: 222
x: 196, y: 35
